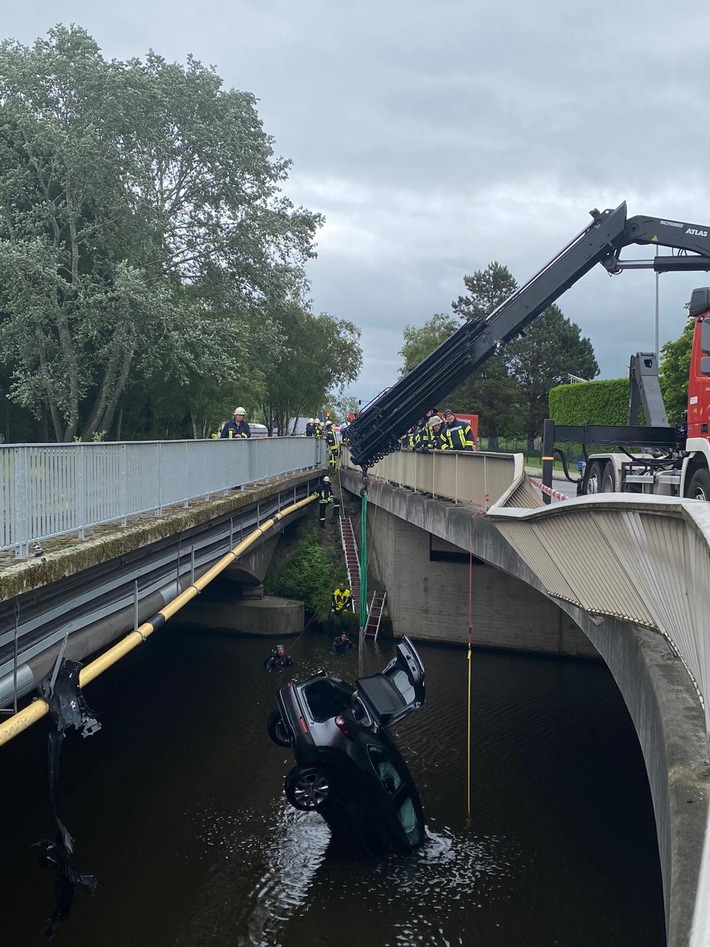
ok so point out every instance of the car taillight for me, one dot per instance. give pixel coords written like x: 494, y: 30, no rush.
x: 304, y: 725
x: 341, y: 724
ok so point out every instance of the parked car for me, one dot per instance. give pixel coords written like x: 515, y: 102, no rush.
x: 348, y: 767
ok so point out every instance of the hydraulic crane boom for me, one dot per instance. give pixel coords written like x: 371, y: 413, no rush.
x: 376, y: 430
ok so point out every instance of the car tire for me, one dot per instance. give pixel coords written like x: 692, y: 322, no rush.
x: 307, y: 788
x: 277, y: 729
x: 699, y: 488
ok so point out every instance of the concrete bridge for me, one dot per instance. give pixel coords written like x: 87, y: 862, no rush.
x: 124, y: 529
x: 620, y: 577
x: 624, y: 577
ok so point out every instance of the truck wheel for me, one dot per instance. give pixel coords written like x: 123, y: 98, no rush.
x: 607, y: 481
x: 307, y: 788
x: 699, y: 488
x: 596, y: 472
x: 277, y: 729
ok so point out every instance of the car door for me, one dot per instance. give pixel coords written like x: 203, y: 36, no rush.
x: 395, y: 692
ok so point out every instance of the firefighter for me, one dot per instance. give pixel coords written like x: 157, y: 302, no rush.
x: 311, y: 427
x: 458, y: 433
x: 325, y: 496
x: 237, y: 427
x: 436, y: 434
x: 407, y: 440
x: 422, y: 438
x: 331, y: 442
x: 341, y: 598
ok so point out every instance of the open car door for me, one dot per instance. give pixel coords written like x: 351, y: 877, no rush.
x: 395, y: 692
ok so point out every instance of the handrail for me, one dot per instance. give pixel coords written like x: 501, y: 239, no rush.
x: 29, y: 715
x: 50, y: 490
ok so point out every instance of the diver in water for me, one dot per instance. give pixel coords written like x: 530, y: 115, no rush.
x: 342, y: 643
x: 278, y: 660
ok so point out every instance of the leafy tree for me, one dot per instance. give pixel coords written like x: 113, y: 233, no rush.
x: 542, y: 358
x: 344, y: 405
x: 487, y: 289
x: 311, y: 575
x: 490, y: 392
x: 316, y: 354
x: 673, y: 373
x: 420, y: 341
x: 141, y: 224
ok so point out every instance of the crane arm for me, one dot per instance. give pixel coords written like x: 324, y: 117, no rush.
x: 376, y: 430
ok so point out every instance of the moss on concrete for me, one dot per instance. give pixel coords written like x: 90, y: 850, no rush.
x: 68, y: 555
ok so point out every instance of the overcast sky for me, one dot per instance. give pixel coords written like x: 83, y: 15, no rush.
x: 436, y: 137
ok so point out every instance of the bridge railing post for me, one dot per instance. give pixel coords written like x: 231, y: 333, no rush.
x: 21, y: 502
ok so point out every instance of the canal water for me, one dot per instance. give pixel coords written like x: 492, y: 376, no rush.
x: 177, y: 807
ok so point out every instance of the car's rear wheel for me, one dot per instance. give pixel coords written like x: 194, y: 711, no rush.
x: 277, y: 729
x: 307, y: 788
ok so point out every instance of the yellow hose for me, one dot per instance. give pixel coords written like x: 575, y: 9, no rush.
x: 39, y: 707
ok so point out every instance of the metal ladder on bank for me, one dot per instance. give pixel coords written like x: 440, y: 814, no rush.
x: 352, y: 560
x: 374, y: 615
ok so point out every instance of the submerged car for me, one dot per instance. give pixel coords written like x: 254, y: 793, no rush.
x: 348, y: 767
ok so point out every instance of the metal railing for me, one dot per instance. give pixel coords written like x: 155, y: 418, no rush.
x: 51, y: 490
x: 478, y: 478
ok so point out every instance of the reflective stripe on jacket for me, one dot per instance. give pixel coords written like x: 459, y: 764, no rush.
x: 341, y: 599
x: 459, y: 437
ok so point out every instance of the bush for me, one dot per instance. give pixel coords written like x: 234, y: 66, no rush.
x: 312, y: 574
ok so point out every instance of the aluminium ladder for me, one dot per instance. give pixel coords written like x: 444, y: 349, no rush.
x: 374, y: 615
x: 352, y: 560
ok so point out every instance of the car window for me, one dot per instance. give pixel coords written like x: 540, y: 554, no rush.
x: 407, y: 818
x: 385, y: 769
x: 404, y: 685
x: 326, y: 700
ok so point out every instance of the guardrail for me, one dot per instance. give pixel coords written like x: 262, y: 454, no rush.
x: 51, y: 490
x: 478, y: 478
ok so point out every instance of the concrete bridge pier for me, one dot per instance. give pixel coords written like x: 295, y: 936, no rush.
x: 427, y: 582
x: 236, y: 601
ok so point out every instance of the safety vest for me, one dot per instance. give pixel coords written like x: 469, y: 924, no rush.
x: 459, y: 437
x: 341, y: 599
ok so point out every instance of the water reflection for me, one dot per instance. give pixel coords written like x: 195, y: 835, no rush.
x: 261, y: 881
x: 178, y: 808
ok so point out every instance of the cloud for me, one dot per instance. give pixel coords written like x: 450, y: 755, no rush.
x: 438, y: 137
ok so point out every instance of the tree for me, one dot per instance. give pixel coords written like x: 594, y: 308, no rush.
x: 141, y: 223
x: 543, y: 357
x: 673, y: 373
x: 420, y: 341
x: 317, y: 353
x: 487, y: 289
x: 490, y: 392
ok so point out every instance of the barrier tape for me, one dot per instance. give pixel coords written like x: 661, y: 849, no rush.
x: 548, y: 490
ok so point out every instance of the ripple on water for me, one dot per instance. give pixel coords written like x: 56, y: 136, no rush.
x: 268, y: 867
x: 276, y: 869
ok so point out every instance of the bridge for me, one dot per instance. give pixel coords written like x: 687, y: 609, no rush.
x: 97, y: 538
x: 621, y: 576
x: 626, y: 574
